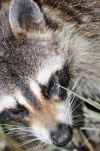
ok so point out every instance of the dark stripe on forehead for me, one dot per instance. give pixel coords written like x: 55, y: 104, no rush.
x: 25, y: 89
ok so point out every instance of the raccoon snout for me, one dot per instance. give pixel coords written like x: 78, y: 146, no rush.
x: 62, y: 135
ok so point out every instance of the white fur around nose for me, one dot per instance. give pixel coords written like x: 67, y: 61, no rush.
x: 41, y: 133
x: 64, y: 113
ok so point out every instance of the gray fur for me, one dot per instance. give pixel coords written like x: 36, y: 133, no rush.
x: 28, y: 46
x: 84, y: 52
x: 27, y: 11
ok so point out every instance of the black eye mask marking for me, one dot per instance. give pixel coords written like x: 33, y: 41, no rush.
x: 15, y: 114
x: 49, y: 90
x: 25, y: 90
x: 61, y: 79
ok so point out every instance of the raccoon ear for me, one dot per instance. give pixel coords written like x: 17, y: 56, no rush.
x: 25, y: 16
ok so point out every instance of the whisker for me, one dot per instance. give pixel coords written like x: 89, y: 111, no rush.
x: 77, y: 81
x: 22, y: 130
x: 74, y: 103
x: 90, y: 128
x: 73, y: 88
x: 75, y: 122
x: 10, y: 131
x: 75, y: 125
x: 13, y: 133
x: 26, y: 142
x: 37, y: 146
x: 71, y: 97
x: 9, y: 125
x: 20, y: 137
x: 77, y: 106
x: 77, y: 116
x: 92, y: 103
x: 19, y: 131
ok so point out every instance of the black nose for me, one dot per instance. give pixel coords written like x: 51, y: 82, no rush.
x: 62, y: 136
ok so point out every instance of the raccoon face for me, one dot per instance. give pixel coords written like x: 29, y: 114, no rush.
x: 43, y: 108
x: 40, y: 76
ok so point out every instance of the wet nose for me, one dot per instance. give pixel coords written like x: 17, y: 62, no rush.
x: 62, y: 136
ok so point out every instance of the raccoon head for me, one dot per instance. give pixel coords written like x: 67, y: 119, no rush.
x: 39, y: 71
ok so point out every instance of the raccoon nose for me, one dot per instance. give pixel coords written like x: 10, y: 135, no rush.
x: 62, y: 136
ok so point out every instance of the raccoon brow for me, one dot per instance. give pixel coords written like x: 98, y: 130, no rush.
x: 25, y: 89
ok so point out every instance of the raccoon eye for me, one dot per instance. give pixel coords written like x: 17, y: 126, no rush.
x: 15, y: 114
x: 63, y: 79
x: 18, y: 113
x: 49, y: 90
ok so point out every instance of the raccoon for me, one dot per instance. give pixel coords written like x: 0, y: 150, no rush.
x: 46, y: 47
